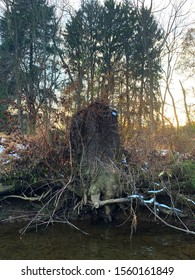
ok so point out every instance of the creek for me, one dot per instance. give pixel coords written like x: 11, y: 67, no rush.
x: 103, y: 241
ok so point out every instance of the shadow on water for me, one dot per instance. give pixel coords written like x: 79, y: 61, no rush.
x: 60, y: 241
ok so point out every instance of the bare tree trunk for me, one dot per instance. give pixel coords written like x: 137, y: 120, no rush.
x: 17, y: 76
x: 151, y: 96
x: 127, y: 94
x: 18, y: 93
x: 163, y: 99
x: 31, y: 93
x: 20, y: 114
x: 174, y: 107
x: 185, y: 103
x: 140, y: 113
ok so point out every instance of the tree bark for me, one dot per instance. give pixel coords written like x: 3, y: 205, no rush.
x: 174, y: 107
x: 185, y: 103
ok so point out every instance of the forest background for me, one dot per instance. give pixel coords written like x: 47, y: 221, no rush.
x: 54, y: 60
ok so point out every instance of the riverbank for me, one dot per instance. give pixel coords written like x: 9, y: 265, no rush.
x: 38, y: 186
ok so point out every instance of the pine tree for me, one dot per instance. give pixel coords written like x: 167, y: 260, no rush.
x: 82, y: 48
x: 28, y: 56
x: 113, y: 51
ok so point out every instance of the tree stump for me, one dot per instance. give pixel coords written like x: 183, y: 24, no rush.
x: 95, y: 148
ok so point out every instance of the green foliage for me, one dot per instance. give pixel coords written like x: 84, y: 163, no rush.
x: 181, y: 176
x: 188, y: 167
x: 25, y: 172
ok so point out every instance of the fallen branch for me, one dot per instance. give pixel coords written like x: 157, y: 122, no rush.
x: 186, y: 230
x: 159, y: 207
x: 102, y: 203
x: 28, y: 198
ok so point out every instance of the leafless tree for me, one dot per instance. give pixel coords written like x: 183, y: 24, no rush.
x: 174, y: 18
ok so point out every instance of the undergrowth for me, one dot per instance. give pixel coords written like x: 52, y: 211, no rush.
x: 43, y: 174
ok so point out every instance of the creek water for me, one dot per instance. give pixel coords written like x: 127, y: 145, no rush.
x: 102, y: 241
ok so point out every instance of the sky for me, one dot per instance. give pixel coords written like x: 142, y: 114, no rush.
x: 157, y: 4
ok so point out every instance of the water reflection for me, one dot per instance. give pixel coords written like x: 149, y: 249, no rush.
x: 103, y: 242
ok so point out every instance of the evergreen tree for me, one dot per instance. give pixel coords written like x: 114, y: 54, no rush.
x: 82, y: 47
x: 147, y: 65
x: 28, y: 60
x: 113, y: 51
x: 111, y: 45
